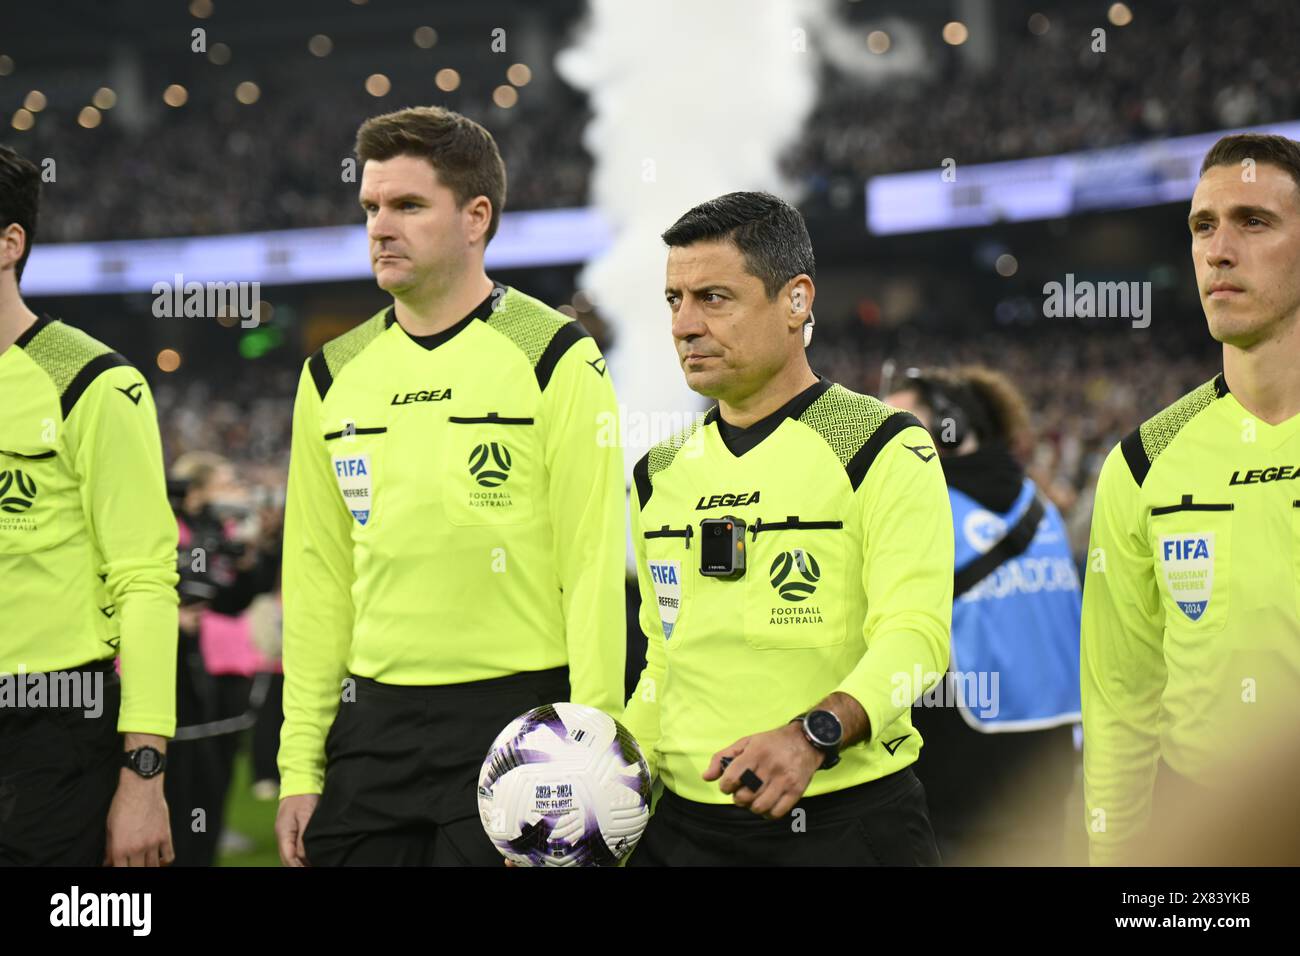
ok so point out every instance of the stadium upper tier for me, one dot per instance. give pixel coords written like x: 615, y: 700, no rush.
x: 230, y: 158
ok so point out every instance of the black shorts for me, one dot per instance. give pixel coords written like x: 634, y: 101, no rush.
x: 402, y: 767
x: 880, y: 823
x: 58, y: 773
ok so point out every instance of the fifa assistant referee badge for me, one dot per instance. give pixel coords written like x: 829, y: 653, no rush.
x: 146, y: 761
x: 825, y: 732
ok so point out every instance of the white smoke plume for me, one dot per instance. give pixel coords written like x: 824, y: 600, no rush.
x: 691, y: 99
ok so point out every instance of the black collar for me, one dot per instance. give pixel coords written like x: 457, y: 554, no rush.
x: 480, y: 311
x: 740, y: 440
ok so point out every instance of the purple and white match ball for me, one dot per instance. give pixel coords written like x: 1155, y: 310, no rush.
x: 564, y: 785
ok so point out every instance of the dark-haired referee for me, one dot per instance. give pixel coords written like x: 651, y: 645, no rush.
x: 87, y: 574
x: 1191, y: 604
x: 454, y: 532
x: 795, y: 556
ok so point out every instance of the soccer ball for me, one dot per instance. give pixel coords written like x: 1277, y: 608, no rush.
x: 564, y: 785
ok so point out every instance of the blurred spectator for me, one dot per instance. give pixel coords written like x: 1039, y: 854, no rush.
x: 998, y: 733
x: 229, y: 553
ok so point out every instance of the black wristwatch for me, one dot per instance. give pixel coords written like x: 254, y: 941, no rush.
x: 825, y: 732
x: 146, y: 761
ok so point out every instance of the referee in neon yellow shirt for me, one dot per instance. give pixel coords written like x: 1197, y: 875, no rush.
x: 794, y: 553
x: 1191, y: 629
x: 454, y: 527
x: 87, y: 576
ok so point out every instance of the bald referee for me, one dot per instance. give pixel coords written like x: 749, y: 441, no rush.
x: 87, y: 575
x: 1191, y: 608
x: 454, y: 530
x: 795, y: 555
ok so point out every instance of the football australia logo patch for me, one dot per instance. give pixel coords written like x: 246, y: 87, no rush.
x: 794, y: 575
x: 17, y: 491
x: 489, y: 463
x: 353, y: 474
x: 489, y: 466
x: 1188, y: 562
x: 17, y: 495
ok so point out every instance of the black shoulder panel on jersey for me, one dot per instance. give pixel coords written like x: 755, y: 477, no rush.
x: 71, y: 358
x: 866, y: 455
x: 326, y: 364
x: 561, y: 342
x: 320, y: 373
x: 89, y: 372
x: 1138, y: 462
x: 1142, y: 446
x: 855, y: 427
x: 660, y: 456
x: 537, y: 330
x: 641, y: 478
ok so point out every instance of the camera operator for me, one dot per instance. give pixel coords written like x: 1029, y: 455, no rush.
x: 999, y: 751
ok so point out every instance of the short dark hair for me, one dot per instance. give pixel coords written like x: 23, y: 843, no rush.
x: 20, y: 198
x: 463, y: 153
x: 769, y: 232
x: 1261, y: 147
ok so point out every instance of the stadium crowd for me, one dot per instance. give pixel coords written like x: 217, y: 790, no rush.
x: 216, y: 166
x: 1160, y: 76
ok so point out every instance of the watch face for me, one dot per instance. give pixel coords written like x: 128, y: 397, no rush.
x: 147, y: 760
x: 825, y: 727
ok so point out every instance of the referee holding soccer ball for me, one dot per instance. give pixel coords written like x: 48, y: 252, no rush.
x: 454, y: 527
x: 795, y: 556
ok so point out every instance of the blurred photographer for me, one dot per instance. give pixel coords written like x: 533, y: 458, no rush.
x: 999, y: 753
x: 228, y: 555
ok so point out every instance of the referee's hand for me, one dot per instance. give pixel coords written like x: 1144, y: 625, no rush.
x: 291, y: 823
x: 139, y: 832
x: 782, y: 759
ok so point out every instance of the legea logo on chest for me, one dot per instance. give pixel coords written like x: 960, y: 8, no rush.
x: 728, y: 500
